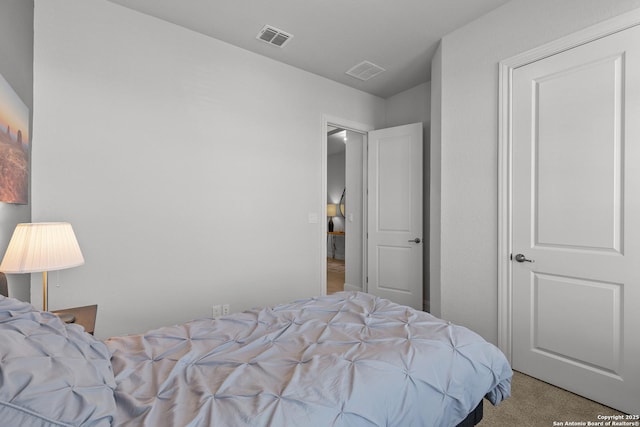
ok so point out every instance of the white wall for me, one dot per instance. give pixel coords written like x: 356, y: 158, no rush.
x: 182, y: 163
x: 435, y: 184
x: 469, y: 126
x: 354, y: 221
x: 16, y: 66
x: 411, y: 106
x: 336, y: 181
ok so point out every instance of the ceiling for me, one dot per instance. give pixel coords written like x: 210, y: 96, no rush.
x: 331, y: 36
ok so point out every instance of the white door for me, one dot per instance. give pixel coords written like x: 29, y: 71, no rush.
x: 576, y: 216
x: 395, y: 214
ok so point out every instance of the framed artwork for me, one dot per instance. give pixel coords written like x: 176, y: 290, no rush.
x: 14, y: 146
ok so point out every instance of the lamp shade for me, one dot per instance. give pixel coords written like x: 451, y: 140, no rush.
x: 43, y: 246
x: 331, y: 210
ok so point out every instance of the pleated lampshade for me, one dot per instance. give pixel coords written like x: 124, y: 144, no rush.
x: 43, y: 246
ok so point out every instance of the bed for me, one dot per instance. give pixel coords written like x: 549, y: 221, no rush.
x: 349, y: 359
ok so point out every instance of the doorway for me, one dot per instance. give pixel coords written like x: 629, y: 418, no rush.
x: 383, y: 211
x: 345, y: 218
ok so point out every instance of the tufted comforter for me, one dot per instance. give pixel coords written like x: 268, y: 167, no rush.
x: 349, y: 359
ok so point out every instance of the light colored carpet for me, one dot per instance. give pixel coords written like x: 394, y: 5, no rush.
x: 534, y: 403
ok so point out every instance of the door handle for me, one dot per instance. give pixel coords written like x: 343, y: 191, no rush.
x: 522, y: 258
x: 416, y: 240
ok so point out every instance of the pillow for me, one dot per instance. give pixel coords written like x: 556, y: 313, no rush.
x: 51, y: 374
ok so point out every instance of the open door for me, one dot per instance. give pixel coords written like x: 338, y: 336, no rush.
x: 395, y: 246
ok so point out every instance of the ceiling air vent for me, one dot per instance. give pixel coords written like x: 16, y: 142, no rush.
x: 274, y: 36
x: 365, y: 70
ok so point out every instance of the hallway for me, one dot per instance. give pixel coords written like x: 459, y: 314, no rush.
x: 335, y: 275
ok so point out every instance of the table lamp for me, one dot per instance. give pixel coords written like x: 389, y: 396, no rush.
x: 331, y: 212
x: 42, y: 247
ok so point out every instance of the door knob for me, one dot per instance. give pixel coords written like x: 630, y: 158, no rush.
x: 522, y: 258
x: 416, y: 240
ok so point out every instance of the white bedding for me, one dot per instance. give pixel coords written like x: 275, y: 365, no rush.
x: 349, y: 359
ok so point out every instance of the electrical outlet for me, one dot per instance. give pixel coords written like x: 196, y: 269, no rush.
x: 225, y: 309
x: 217, y: 310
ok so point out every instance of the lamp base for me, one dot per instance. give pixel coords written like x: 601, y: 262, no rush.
x: 330, y: 225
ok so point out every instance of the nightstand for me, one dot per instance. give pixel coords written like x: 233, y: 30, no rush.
x: 83, y: 316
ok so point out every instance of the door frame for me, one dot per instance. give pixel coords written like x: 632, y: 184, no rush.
x: 505, y: 176
x: 361, y: 128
